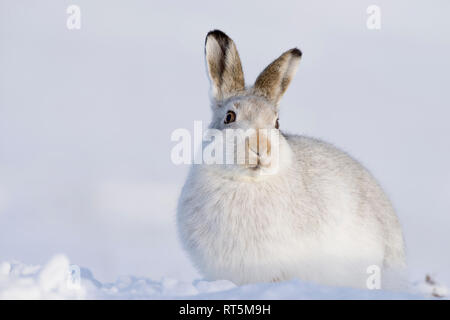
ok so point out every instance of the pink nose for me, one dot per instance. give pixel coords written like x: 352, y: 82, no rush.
x: 259, y: 148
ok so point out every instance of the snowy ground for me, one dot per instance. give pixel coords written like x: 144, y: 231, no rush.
x: 59, y: 280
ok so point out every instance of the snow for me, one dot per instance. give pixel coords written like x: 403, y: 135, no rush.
x: 56, y: 281
x: 86, y: 118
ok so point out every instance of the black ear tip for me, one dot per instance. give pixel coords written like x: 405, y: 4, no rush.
x: 220, y: 36
x: 296, y: 52
x: 216, y: 33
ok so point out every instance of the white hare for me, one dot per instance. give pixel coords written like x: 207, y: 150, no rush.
x: 320, y: 217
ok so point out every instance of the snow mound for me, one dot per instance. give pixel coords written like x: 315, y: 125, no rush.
x: 58, y: 279
x: 20, y: 281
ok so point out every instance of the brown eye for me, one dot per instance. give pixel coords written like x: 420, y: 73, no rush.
x: 277, y: 124
x: 230, y: 117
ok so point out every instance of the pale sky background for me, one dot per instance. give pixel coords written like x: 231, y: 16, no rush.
x: 86, y: 117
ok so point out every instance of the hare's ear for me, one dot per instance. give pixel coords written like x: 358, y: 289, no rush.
x: 274, y: 80
x: 223, y: 65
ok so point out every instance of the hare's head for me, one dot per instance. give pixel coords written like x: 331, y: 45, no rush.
x: 251, y: 112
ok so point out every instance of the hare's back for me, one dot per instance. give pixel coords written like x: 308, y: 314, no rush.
x: 340, y: 182
x: 348, y: 192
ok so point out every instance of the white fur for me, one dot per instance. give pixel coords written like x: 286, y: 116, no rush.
x: 322, y: 217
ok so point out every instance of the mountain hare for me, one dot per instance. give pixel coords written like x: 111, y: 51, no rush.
x: 320, y: 216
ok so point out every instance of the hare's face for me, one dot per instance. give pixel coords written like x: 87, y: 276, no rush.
x: 245, y: 112
x: 248, y: 117
x: 250, y: 128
